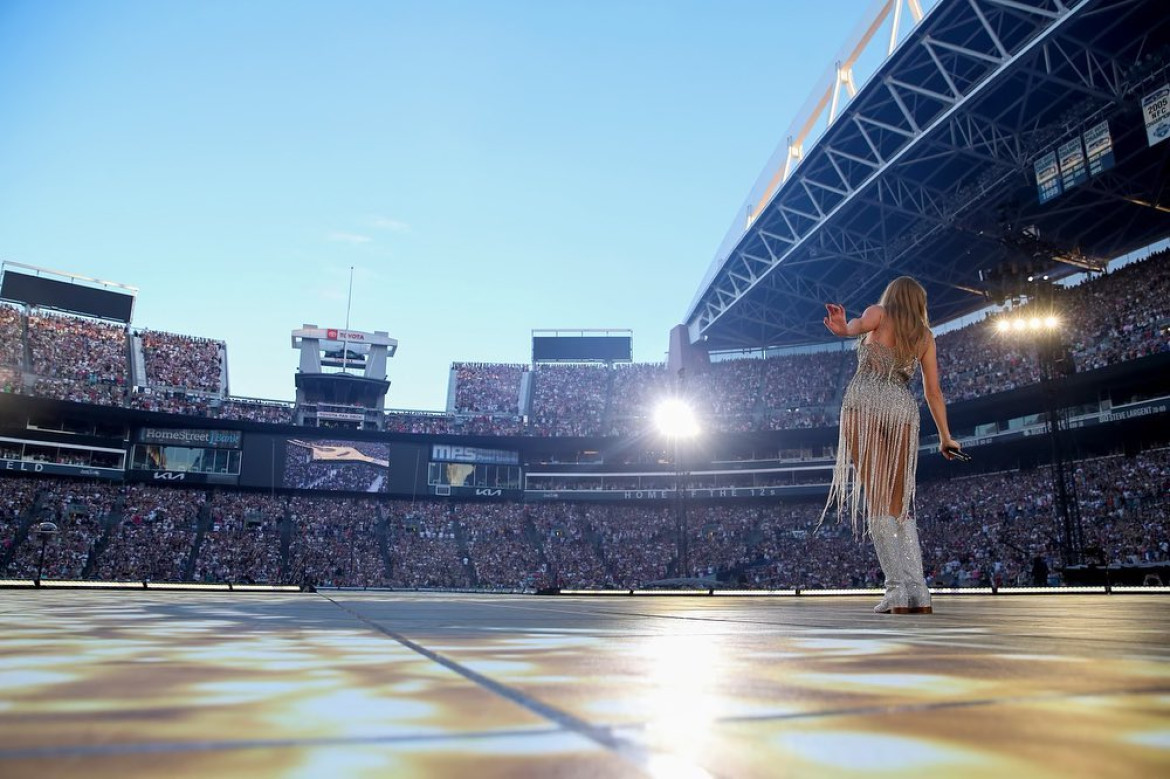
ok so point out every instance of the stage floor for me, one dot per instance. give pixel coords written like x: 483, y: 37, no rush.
x: 352, y: 684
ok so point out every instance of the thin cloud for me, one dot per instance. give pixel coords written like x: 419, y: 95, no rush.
x: 393, y: 225
x: 353, y: 238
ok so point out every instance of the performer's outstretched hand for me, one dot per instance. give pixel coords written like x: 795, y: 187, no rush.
x: 835, y: 321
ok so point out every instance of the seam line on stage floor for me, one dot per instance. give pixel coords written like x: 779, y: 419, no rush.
x: 906, y: 708
x: 167, y: 747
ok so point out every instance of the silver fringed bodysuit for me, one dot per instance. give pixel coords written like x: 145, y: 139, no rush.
x: 877, y: 454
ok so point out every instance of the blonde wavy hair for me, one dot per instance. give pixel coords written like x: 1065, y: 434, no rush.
x: 904, y: 301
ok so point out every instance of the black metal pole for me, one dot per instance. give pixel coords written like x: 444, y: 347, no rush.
x: 680, y: 512
x: 1067, y: 506
x: 41, y: 560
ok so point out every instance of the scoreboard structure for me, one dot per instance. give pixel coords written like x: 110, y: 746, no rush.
x: 341, y: 381
x: 600, y: 345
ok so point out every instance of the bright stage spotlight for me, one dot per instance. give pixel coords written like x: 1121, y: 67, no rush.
x: 1051, y: 322
x: 1003, y: 325
x: 674, y: 418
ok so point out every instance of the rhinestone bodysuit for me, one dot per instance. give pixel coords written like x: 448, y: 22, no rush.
x: 877, y: 453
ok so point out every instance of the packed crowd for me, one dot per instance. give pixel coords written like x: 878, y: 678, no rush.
x: 1116, y: 317
x: 975, y: 530
x: 568, y: 400
x: 335, y: 542
x: 153, y: 536
x: 78, y: 515
x: 269, y: 411
x: 487, y: 388
x: 425, y: 547
x: 170, y: 401
x: 243, y: 540
x: 78, y: 359
x: 174, y: 360
x: 11, y: 337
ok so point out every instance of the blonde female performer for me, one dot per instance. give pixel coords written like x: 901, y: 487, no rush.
x: 878, y: 450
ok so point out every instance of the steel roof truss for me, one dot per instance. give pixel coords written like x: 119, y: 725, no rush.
x: 923, y: 92
x: 906, y: 114
x: 868, y: 141
x: 826, y: 187
x: 872, y: 164
x: 1028, y: 9
x: 840, y: 173
x: 885, y: 126
x: 797, y: 212
x: 1003, y: 53
x: 804, y: 182
x: 966, y: 52
x: 938, y: 64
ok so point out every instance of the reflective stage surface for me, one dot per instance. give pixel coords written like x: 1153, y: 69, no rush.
x: 348, y: 684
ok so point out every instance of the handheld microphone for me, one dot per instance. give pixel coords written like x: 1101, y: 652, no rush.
x: 958, y: 454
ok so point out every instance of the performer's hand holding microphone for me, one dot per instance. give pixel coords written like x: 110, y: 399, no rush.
x: 951, y: 450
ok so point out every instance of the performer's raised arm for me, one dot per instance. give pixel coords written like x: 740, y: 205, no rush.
x: 869, y: 320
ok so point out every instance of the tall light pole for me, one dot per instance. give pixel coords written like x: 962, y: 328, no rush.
x: 1055, y: 364
x: 45, y: 530
x: 676, y: 421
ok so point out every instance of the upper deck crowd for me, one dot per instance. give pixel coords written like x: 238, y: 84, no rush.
x: 1116, y: 317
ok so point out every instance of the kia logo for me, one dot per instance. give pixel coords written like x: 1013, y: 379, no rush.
x: 489, y: 492
x: 169, y: 476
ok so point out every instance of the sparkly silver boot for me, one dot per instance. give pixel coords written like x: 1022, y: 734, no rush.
x: 886, y: 543
x: 910, y: 556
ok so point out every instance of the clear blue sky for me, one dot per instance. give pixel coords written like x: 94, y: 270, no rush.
x: 489, y: 167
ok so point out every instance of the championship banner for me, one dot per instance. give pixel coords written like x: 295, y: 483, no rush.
x: 1099, y: 148
x: 1072, y: 164
x: 1047, y: 177
x: 1156, y: 112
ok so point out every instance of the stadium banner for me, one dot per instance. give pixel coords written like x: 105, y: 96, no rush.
x: 1156, y: 112
x: 613, y: 496
x: 1146, y: 409
x: 1047, y: 177
x: 1099, y: 148
x: 217, y: 439
x: 479, y: 493
x: 57, y: 469
x: 343, y: 416
x: 451, y: 453
x: 1072, y: 164
x: 171, y: 478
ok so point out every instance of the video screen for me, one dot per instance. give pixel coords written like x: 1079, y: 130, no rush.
x: 347, y: 466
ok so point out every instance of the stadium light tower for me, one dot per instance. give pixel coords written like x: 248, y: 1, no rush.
x: 676, y: 421
x: 1043, y: 330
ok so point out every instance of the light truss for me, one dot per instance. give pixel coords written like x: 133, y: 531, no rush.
x: 958, y: 113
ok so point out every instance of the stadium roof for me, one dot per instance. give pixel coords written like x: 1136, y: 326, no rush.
x: 929, y: 170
